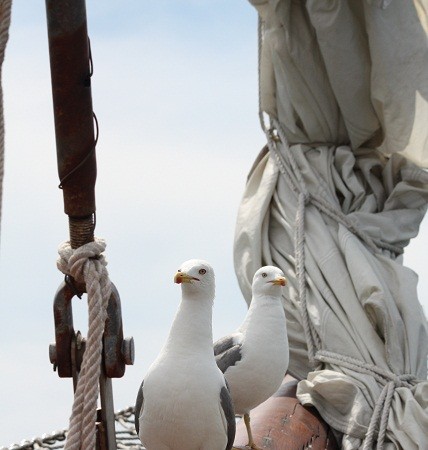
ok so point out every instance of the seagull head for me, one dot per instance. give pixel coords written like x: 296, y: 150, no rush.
x: 196, y: 277
x: 269, y: 280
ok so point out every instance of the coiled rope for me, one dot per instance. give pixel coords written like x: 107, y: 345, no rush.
x: 87, y: 265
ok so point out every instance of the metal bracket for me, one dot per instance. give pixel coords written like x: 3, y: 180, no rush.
x: 117, y: 350
x: 66, y: 354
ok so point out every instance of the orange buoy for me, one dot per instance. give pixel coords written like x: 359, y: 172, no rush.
x: 282, y: 423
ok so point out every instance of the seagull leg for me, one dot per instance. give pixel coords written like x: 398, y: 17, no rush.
x: 251, y: 443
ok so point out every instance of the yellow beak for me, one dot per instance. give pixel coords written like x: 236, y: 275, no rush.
x: 279, y: 281
x: 182, y: 277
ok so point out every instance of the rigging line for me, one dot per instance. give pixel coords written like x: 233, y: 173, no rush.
x: 295, y: 181
x: 312, y: 338
x: 324, y: 204
x: 89, y: 154
x: 5, y: 15
x: 259, y: 70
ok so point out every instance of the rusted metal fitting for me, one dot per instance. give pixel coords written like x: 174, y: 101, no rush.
x: 64, y: 331
x: 67, y: 352
x: 52, y: 355
x: 114, y: 360
x: 128, y: 351
x: 81, y: 230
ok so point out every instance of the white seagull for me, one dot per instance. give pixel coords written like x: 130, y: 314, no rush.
x: 254, y: 359
x: 183, y: 402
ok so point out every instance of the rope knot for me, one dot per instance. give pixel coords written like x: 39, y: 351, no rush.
x: 379, y: 421
x: 404, y: 380
x: 87, y: 265
x: 389, y: 382
x: 306, y: 197
x: 74, y: 262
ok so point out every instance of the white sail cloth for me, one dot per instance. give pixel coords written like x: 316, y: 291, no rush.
x: 337, y: 79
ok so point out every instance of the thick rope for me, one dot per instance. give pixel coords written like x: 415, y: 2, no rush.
x: 390, y: 381
x: 312, y: 337
x: 87, y: 265
x: 382, y: 376
x: 5, y: 14
x: 259, y: 70
x: 390, y: 389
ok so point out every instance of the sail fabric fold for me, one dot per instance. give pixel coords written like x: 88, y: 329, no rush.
x: 345, y: 86
x: 347, y: 72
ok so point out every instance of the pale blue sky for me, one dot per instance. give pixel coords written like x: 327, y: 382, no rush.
x: 175, y: 93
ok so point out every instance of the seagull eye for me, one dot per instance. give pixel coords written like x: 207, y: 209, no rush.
x: 202, y: 271
x: 264, y: 274
x: 179, y: 270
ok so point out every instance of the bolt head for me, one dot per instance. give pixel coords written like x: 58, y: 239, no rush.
x: 128, y: 351
x: 52, y: 353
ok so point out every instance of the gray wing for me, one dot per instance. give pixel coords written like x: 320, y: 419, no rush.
x: 228, y: 350
x: 227, y: 407
x: 224, y: 343
x: 229, y: 357
x: 138, y: 407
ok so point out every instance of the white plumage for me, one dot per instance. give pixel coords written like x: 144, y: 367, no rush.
x: 254, y: 359
x: 183, y: 402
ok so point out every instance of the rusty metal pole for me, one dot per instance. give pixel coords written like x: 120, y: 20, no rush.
x: 74, y: 125
x: 71, y: 69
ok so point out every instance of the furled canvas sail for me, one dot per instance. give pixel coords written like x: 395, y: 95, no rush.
x: 336, y: 199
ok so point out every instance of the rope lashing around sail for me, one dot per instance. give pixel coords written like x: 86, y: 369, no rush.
x: 5, y: 14
x: 390, y: 382
x: 288, y: 168
x: 87, y: 265
x: 291, y: 173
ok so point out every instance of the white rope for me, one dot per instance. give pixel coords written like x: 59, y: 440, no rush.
x: 5, y: 14
x: 389, y: 380
x: 260, y: 30
x: 87, y: 265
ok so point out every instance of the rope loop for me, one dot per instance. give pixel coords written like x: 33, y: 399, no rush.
x: 390, y: 382
x: 379, y: 420
x: 73, y: 261
x: 87, y: 265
